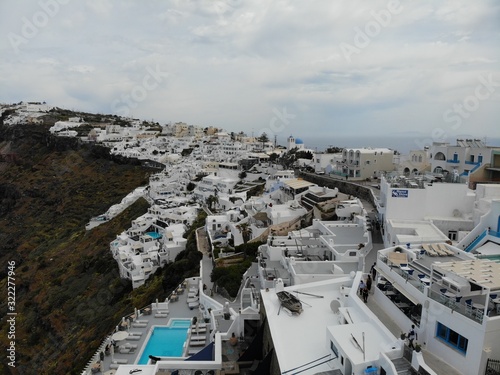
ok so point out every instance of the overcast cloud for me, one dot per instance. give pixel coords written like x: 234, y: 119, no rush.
x: 426, y: 69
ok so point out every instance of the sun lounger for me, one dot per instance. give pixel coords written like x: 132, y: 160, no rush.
x: 134, y: 333
x: 114, y: 366
x: 198, y: 337
x: 161, y: 315
x: 197, y: 343
x: 121, y: 361
x: 193, y: 351
x: 193, y: 305
x: 125, y: 350
x: 139, y: 325
x: 445, y: 249
x: 141, y: 321
x: 429, y: 251
x: 134, y: 338
x: 199, y: 330
x: 437, y: 250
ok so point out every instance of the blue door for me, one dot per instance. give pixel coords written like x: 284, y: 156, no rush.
x: 455, y: 157
x: 480, y: 159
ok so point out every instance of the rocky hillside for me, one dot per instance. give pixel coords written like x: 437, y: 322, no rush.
x: 68, y: 293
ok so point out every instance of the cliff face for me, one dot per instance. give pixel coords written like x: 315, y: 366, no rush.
x: 68, y: 293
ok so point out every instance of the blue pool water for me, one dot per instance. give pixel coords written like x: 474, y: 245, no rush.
x: 166, y: 341
x: 154, y: 235
x: 180, y: 323
x: 495, y: 258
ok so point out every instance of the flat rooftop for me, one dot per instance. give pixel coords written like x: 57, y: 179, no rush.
x: 300, y: 339
x: 415, y: 231
x: 315, y: 268
x: 297, y: 183
x: 364, y: 334
x: 346, y: 235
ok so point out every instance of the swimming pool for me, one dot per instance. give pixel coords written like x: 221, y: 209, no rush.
x: 495, y: 258
x: 154, y: 235
x: 166, y: 341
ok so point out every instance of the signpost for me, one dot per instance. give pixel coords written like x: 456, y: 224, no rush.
x: 400, y: 193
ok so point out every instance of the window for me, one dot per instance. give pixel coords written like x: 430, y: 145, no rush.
x: 451, y: 338
x: 334, y: 348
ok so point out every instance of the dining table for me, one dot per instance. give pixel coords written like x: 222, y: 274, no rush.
x: 478, y: 306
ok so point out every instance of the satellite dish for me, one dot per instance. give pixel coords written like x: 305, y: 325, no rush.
x: 334, y: 306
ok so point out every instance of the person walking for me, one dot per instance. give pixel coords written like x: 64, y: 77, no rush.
x: 361, y: 287
x: 369, y: 283
x: 412, y: 335
x: 373, y: 271
x: 365, y: 295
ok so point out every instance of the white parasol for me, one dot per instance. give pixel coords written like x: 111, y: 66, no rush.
x: 120, y: 335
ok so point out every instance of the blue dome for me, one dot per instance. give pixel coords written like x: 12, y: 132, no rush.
x: 299, y: 141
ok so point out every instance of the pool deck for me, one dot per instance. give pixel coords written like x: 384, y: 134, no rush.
x: 154, y: 315
x: 142, y: 326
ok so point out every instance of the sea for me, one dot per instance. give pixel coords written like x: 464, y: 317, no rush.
x: 402, y: 144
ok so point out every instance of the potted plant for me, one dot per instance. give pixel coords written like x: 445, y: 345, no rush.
x: 403, y: 336
x: 418, y: 348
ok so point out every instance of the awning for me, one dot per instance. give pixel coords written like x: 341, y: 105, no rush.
x: 264, y: 366
x: 254, y: 351
x: 205, y: 354
x: 398, y: 287
x: 405, y: 293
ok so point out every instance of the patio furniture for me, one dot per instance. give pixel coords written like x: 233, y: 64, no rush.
x: 468, y: 306
x: 429, y: 251
x: 496, y: 302
x: 439, y: 252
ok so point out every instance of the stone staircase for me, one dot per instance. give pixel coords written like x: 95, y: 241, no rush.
x: 403, y: 367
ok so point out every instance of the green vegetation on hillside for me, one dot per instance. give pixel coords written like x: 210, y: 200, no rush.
x: 68, y: 291
x: 230, y: 277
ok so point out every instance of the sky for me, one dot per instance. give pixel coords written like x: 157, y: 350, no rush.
x: 323, y: 71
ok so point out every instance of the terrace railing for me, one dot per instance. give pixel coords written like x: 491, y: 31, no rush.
x: 469, y: 312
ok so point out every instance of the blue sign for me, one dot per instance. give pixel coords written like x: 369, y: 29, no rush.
x: 400, y: 193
